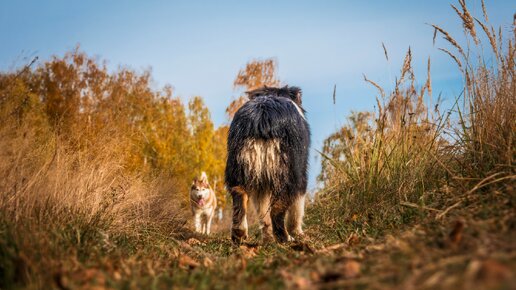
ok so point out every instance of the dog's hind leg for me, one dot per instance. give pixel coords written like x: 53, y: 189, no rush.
x: 239, y: 229
x: 278, y: 212
x: 262, y: 203
x: 295, y: 215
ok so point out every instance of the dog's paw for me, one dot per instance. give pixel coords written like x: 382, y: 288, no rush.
x: 282, y: 237
x: 297, y: 235
x: 238, y: 236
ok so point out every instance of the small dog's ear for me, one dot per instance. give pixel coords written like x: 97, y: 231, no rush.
x: 203, y: 178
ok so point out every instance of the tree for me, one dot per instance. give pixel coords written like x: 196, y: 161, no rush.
x: 76, y: 100
x: 257, y: 73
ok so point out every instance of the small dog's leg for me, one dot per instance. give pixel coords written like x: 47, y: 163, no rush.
x: 295, y: 216
x: 203, y: 225
x: 208, y: 222
x: 239, y: 229
x: 197, y: 222
x: 278, y: 212
x: 262, y: 204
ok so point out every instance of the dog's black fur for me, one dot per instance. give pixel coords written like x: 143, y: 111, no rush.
x: 270, y: 114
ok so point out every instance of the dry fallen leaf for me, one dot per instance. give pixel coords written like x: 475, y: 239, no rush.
x: 346, y: 270
x: 302, y: 247
x: 493, y: 271
x: 194, y: 242
x: 375, y: 247
x: 187, y: 262
x: 331, y: 248
x: 315, y: 276
x: 295, y: 281
x: 472, y: 269
x: 248, y: 252
x: 397, y: 243
x: 455, y: 236
x: 91, y: 278
x: 207, y: 262
x: 434, y: 280
x: 350, y: 269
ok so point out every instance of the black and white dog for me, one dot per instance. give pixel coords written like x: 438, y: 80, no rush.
x: 267, y: 162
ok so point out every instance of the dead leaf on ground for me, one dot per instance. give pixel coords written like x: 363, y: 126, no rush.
x: 187, y: 262
x: 295, y: 281
x: 117, y: 276
x: 397, y: 243
x: 434, y: 280
x: 455, y: 236
x: 194, y: 242
x: 186, y: 246
x: 302, y: 247
x: 331, y: 248
x: 92, y: 278
x: 375, y: 247
x: 248, y: 252
x: 207, y: 262
x: 340, y: 251
x: 493, y: 271
x: 346, y: 270
x: 351, y: 269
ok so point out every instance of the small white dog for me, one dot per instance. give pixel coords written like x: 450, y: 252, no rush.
x: 204, y: 203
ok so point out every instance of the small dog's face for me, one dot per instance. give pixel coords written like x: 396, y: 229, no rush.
x: 200, y: 191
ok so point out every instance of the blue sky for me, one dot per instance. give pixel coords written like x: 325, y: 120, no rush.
x: 199, y: 46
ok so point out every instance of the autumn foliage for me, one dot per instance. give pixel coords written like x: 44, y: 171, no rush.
x: 78, y: 101
x: 257, y: 73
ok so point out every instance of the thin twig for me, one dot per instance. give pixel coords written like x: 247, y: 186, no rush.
x: 441, y: 215
x: 410, y: 204
x: 25, y: 68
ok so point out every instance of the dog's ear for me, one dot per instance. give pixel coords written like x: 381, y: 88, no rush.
x: 204, y: 178
x: 255, y: 93
x: 295, y: 94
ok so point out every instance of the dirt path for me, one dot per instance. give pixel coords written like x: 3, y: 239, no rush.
x: 435, y: 254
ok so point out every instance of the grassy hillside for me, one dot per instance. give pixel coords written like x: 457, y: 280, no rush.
x: 95, y: 168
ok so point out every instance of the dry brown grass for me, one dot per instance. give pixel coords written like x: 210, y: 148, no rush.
x: 60, y: 203
x: 385, y: 158
x: 486, y: 133
x: 424, y: 199
x: 406, y: 164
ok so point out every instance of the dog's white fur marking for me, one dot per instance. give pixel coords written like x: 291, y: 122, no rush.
x: 243, y: 224
x: 298, y: 109
x: 262, y: 204
x: 203, y: 203
x: 262, y: 158
x: 295, y: 216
